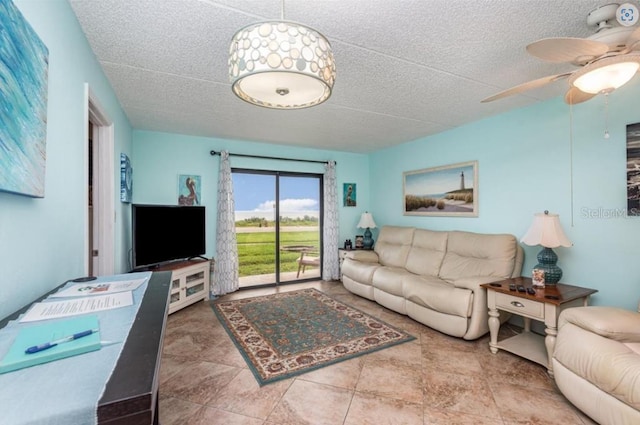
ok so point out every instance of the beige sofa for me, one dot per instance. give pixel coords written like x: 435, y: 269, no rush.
x: 596, y: 362
x: 434, y: 277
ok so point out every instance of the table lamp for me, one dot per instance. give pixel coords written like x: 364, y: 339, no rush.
x: 546, y: 231
x: 366, y: 222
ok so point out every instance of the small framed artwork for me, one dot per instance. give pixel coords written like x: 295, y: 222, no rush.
x: 359, y: 242
x: 126, y: 179
x: 449, y: 190
x: 349, y: 194
x: 189, y: 190
x: 633, y: 170
x: 537, y: 278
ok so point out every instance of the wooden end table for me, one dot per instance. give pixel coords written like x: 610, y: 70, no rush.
x: 545, y: 306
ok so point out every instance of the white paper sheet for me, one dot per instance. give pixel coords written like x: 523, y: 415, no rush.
x: 56, y: 309
x: 99, y: 288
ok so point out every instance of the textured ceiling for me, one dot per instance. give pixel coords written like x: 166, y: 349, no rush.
x: 406, y: 69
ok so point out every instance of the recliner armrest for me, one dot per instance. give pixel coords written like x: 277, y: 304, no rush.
x: 473, y: 283
x: 610, y: 322
x: 364, y: 256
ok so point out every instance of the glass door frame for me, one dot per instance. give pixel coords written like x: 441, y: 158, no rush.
x: 277, y: 174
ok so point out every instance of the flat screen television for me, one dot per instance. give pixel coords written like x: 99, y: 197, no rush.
x: 164, y: 233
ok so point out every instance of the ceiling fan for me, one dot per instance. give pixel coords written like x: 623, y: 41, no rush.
x: 607, y: 59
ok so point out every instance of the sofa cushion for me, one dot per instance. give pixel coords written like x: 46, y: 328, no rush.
x: 608, y: 364
x: 427, y: 251
x: 389, y: 279
x: 436, y: 294
x: 393, y: 245
x: 474, y: 254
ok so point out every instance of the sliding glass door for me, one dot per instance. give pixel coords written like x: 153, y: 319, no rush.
x: 254, y: 199
x: 299, y: 227
x: 278, y: 226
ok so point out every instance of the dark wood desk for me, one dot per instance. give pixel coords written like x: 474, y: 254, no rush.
x: 131, y: 394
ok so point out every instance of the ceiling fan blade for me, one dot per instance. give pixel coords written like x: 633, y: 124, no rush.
x: 574, y: 96
x: 530, y: 85
x: 567, y: 49
x: 634, y: 40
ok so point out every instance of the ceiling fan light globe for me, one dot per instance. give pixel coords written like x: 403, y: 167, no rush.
x: 606, y: 78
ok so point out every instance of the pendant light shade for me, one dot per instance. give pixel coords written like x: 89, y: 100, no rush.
x: 281, y: 65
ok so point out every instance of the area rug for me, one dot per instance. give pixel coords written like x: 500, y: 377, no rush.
x: 287, y: 334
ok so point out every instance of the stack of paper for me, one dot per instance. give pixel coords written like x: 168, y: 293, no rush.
x: 99, y: 288
x: 85, y: 298
x: 56, y: 338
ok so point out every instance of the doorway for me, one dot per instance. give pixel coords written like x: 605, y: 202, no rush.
x: 278, y: 226
x: 100, y: 210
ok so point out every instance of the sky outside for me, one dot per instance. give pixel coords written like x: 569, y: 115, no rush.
x: 439, y: 181
x: 257, y: 192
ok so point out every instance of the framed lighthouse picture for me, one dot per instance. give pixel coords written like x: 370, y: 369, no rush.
x: 446, y: 191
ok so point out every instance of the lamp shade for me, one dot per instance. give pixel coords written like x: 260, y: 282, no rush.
x: 606, y: 74
x: 366, y: 221
x: 546, y: 231
x: 281, y: 65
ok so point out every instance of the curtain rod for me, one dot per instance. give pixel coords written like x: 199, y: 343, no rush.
x: 213, y: 153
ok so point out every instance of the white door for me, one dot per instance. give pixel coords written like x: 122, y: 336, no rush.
x: 99, y: 241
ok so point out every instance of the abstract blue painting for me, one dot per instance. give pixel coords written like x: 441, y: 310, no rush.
x: 126, y: 178
x: 24, y: 67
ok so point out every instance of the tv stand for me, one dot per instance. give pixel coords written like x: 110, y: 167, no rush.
x: 197, y: 256
x: 148, y: 268
x: 189, y: 282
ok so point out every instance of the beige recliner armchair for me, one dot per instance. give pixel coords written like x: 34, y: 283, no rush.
x: 596, y: 362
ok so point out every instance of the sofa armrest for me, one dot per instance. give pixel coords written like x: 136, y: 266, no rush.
x: 610, y: 322
x: 473, y: 283
x: 364, y: 256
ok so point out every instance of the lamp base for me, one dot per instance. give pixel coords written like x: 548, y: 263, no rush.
x: 547, y: 261
x: 367, y: 241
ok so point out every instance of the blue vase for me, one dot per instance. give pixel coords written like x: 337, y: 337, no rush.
x: 367, y: 241
x: 547, y: 261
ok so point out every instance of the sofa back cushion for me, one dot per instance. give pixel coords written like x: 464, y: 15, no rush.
x: 473, y: 254
x: 426, y: 253
x: 393, y: 245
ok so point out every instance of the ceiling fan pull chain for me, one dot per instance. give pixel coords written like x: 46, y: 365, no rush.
x: 606, y: 115
x: 571, y: 156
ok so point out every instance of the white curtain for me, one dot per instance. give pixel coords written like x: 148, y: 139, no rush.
x: 225, y: 275
x: 330, y: 262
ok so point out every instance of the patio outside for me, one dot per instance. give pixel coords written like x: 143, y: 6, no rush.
x: 256, y: 239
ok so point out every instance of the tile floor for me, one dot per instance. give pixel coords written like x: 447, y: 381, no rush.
x: 435, y: 379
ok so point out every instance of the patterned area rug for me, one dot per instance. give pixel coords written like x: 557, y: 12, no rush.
x: 286, y: 334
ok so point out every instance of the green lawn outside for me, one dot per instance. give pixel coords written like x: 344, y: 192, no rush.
x: 256, y: 251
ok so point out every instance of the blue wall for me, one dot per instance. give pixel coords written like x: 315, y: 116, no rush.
x: 158, y: 159
x: 527, y: 164
x: 42, y: 240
